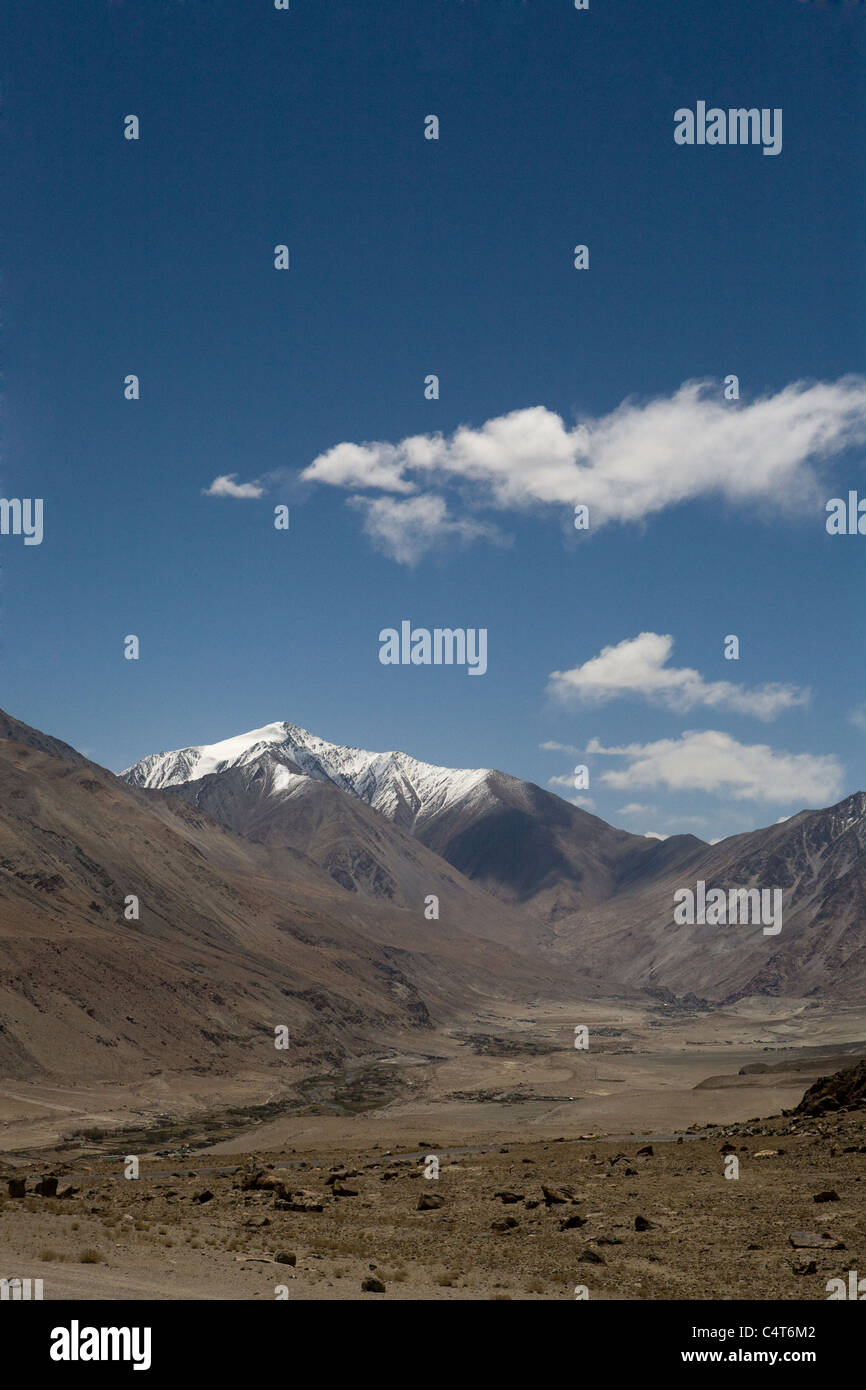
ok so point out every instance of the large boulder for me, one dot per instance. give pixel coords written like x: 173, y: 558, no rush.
x: 845, y: 1088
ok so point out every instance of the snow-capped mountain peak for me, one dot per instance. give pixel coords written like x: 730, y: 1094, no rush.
x: 401, y: 787
x: 191, y: 764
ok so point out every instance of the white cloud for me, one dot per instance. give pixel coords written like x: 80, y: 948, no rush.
x: 566, y: 781
x: 858, y: 716
x: 638, y: 667
x: 407, y: 528
x: 585, y: 802
x: 362, y: 465
x: 639, y: 459
x: 225, y: 486
x: 551, y: 747
x: 636, y: 808
x: 711, y: 761
x: 653, y: 835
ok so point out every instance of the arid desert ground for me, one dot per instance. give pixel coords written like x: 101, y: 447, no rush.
x: 309, y: 1186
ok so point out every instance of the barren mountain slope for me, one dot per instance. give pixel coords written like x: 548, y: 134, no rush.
x: 232, y: 939
x: 817, y: 859
x: 521, y: 844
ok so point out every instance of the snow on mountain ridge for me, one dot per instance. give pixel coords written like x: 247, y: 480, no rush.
x: 399, y: 786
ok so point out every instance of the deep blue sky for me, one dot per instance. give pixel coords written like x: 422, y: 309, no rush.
x: 411, y: 256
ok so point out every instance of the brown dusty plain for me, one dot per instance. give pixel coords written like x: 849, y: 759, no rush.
x: 508, y: 1106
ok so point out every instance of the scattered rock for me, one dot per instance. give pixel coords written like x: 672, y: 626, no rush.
x: 642, y: 1224
x: 646, y: 1151
x: 428, y: 1201
x: 505, y: 1223
x: 17, y: 1187
x: 828, y: 1196
x: 47, y: 1187
x: 299, y: 1201
x: 202, y: 1197
x: 767, y: 1153
x: 811, y: 1240
x: 571, y: 1223
x: 284, y: 1258
x: 590, y: 1257
x: 554, y: 1195
x: 508, y: 1198
x: 372, y: 1285
x: 258, y: 1180
x: 804, y: 1267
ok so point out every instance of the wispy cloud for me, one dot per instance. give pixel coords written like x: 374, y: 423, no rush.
x: 406, y: 528
x: 712, y: 761
x: 626, y: 465
x: 858, y: 716
x: 638, y: 667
